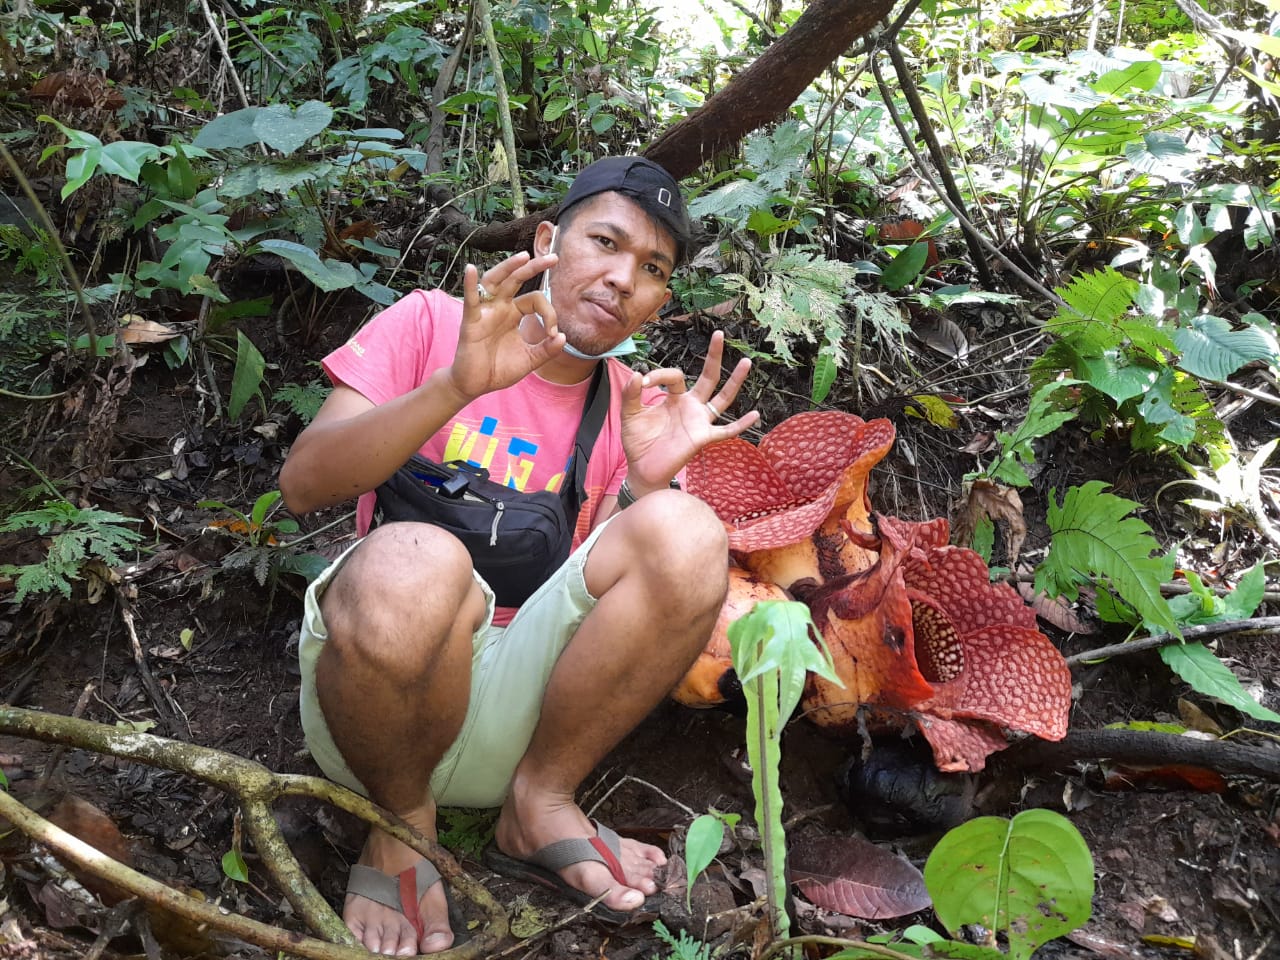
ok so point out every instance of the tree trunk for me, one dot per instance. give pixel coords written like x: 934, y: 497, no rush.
x: 761, y: 93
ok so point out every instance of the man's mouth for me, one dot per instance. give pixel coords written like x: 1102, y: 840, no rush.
x: 608, y: 307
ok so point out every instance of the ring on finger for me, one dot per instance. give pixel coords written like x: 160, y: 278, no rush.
x: 484, y: 295
x: 711, y: 408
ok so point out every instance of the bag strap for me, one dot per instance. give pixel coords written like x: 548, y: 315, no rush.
x: 595, y: 409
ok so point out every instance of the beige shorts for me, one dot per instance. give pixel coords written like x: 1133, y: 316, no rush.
x: 510, y: 669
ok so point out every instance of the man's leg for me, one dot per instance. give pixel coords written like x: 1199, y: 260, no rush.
x: 393, y: 682
x: 660, y: 572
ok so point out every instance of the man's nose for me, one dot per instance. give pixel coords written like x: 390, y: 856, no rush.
x: 621, y: 275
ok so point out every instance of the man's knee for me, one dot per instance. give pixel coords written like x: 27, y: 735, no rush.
x: 682, y: 544
x: 400, y: 591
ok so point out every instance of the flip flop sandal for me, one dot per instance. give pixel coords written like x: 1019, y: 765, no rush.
x: 403, y: 892
x: 542, y: 867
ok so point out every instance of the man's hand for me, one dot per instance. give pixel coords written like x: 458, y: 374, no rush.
x: 494, y: 349
x: 660, y: 439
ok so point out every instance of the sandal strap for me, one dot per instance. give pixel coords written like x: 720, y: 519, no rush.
x: 604, y: 847
x: 402, y: 892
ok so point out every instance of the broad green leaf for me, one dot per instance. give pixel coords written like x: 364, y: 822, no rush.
x: 185, y: 638
x: 1211, y: 349
x: 1197, y: 665
x: 701, y: 845
x: 125, y: 158
x: 905, y: 267
x: 1141, y: 76
x: 229, y: 131
x: 286, y: 130
x: 280, y: 177
x: 603, y: 122
x: 1030, y: 878
x: 180, y: 176
x: 1163, y: 154
x: 1117, y: 376
x: 328, y: 275
x: 1093, y: 534
x: 247, y: 377
x: 233, y: 866
x: 555, y: 109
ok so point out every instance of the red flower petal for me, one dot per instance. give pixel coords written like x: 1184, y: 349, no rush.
x: 960, y: 745
x: 958, y: 581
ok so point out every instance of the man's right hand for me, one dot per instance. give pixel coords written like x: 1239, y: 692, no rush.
x: 494, y: 349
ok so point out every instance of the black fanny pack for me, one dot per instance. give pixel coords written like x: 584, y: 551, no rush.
x: 516, y: 540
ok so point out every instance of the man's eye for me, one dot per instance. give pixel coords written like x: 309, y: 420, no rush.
x: 605, y: 242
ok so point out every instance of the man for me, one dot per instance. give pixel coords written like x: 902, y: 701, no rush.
x: 416, y: 690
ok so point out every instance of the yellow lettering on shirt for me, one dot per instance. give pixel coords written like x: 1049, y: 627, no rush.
x: 518, y: 474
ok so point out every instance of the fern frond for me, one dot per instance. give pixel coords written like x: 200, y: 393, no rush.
x: 803, y: 296
x: 1095, y: 536
x: 1177, y: 411
x: 77, y: 536
x: 1101, y: 297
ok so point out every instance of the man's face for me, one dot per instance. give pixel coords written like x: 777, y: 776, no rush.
x: 614, y: 267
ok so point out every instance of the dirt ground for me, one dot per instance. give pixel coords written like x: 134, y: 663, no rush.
x: 1170, y: 862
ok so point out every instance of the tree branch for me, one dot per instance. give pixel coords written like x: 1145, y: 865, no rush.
x: 255, y: 787
x: 1254, y: 627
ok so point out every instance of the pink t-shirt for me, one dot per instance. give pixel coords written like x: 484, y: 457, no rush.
x: 522, y: 435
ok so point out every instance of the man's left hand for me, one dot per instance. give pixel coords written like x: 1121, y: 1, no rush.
x: 661, y: 438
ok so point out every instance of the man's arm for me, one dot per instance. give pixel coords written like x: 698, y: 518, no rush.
x: 354, y: 445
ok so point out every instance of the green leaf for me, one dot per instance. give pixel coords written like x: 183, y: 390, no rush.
x: 701, y: 845
x: 250, y: 366
x: 286, y: 130
x: 1093, y: 534
x: 306, y: 565
x: 328, y: 275
x: 1030, y: 878
x: 555, y: 109
x: 905, y: 267
x: 280, y: 177
x: 1211, y: 349
x: 1244, y: 600
x: 603, y: 122
x: 185, y: 638
x: 824, y: 377
x: 277, y: 126
x: 261, y: 506
x: 1141, y: 76
x: 233, y: 866
x: 1197, y: 665
x: 229, y: 131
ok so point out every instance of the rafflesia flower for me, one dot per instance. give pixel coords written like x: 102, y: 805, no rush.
x: 915, y: 627
x: 790, y: 503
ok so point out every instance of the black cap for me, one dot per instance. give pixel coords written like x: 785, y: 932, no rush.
x: 641, y: 180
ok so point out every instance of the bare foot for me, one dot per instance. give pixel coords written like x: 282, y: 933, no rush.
x: 530, y: 820
x: 387, y: 931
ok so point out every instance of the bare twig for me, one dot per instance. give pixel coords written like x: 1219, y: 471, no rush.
x: 31, y: 396
x: 1257, y: 626
x: 1247, y: 392
x: 255, y: 787
x: 221, y: 41
x: 158, y: 699
x: 940, y: 164
x: 644, y: 783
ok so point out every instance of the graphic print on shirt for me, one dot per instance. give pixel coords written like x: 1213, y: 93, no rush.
x: 479, y: 447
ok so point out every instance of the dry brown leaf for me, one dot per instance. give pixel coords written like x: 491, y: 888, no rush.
x: 992, y: 501
x: 856, y: 878
x: 140, y: 331
x: 939, y: 333
x: 1197, y: 719
x: 1055, y: 610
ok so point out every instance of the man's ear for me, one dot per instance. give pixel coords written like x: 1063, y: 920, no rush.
x: 542, y: 238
